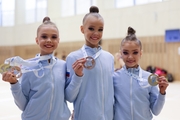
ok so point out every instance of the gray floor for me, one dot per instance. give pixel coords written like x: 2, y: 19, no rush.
x: 9, y: 111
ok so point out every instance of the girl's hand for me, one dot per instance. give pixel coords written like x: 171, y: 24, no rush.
x: 9, y: 77
x: 78, y: 67
x: 163, y: 84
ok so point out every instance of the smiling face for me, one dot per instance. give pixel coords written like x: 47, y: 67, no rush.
x: 47, y: 38
x: 92, y: 30
x: 131, y: 53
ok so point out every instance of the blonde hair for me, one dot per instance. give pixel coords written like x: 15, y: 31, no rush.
x: 47, y: 21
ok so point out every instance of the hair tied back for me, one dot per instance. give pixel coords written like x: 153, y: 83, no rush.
x: 46, y: 19
x: 94, y: 9
x: 131, y: 31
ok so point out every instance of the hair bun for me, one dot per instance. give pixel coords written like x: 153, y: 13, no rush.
x: 46, y: 19
x: 94, y: 9
x: 131, y: 31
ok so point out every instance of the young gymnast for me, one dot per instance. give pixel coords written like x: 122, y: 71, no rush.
x: 90, y: 83
x: 39, y: 92
x: 135, y: 98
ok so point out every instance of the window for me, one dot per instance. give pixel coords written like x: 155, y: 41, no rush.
x: 75, y: 7
x: 7, y: 8
x: 36, y: 10
x: 68, y: 8
x: 41, y: 9
x: 82, y: 6
x: 138, y: 2
x: 127, y: 3
x: 123, y: 3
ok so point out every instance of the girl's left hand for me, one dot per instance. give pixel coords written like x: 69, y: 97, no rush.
x: 163, y: 84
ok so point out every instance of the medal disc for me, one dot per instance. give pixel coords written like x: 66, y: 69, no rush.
x: 90, y: 63
x: 153, y: 79
x: 15, y: 69
x: 4, y: 68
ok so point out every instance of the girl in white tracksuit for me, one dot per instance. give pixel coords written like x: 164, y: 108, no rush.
x: 91, y: 90
x: 39, y: 93
x: 135, y: 99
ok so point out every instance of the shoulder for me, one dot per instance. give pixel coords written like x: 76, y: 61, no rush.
x: 106, y: 53
x: 118, y: 72
x: 145, y: 73
x: 60, y: 62
x: 75, y: 54
x: 118, y: 77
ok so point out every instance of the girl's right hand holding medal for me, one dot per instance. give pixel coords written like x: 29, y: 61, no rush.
x: 9, y: 77
x: 78, y: 67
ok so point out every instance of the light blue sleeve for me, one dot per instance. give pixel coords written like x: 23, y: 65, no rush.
x: 73, y: 82
x: 156, y: 101
x: 20, y: 98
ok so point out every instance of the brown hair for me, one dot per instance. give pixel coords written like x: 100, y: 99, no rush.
x: 46, y: 21
x: 93, y: 10
x: 131, y: 37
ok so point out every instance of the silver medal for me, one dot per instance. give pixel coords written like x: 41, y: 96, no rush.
x: 153, y: 79
x: 90, y: 63
x: 15, y: 69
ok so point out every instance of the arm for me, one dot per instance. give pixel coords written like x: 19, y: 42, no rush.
x: 158, y: 103
x: 19, y: 98
x: 74, y: 80
x: 16, y: 89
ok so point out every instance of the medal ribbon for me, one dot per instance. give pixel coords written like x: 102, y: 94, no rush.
x: 96, y: 55
x: 28, y: 65
x: 139, y: 78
